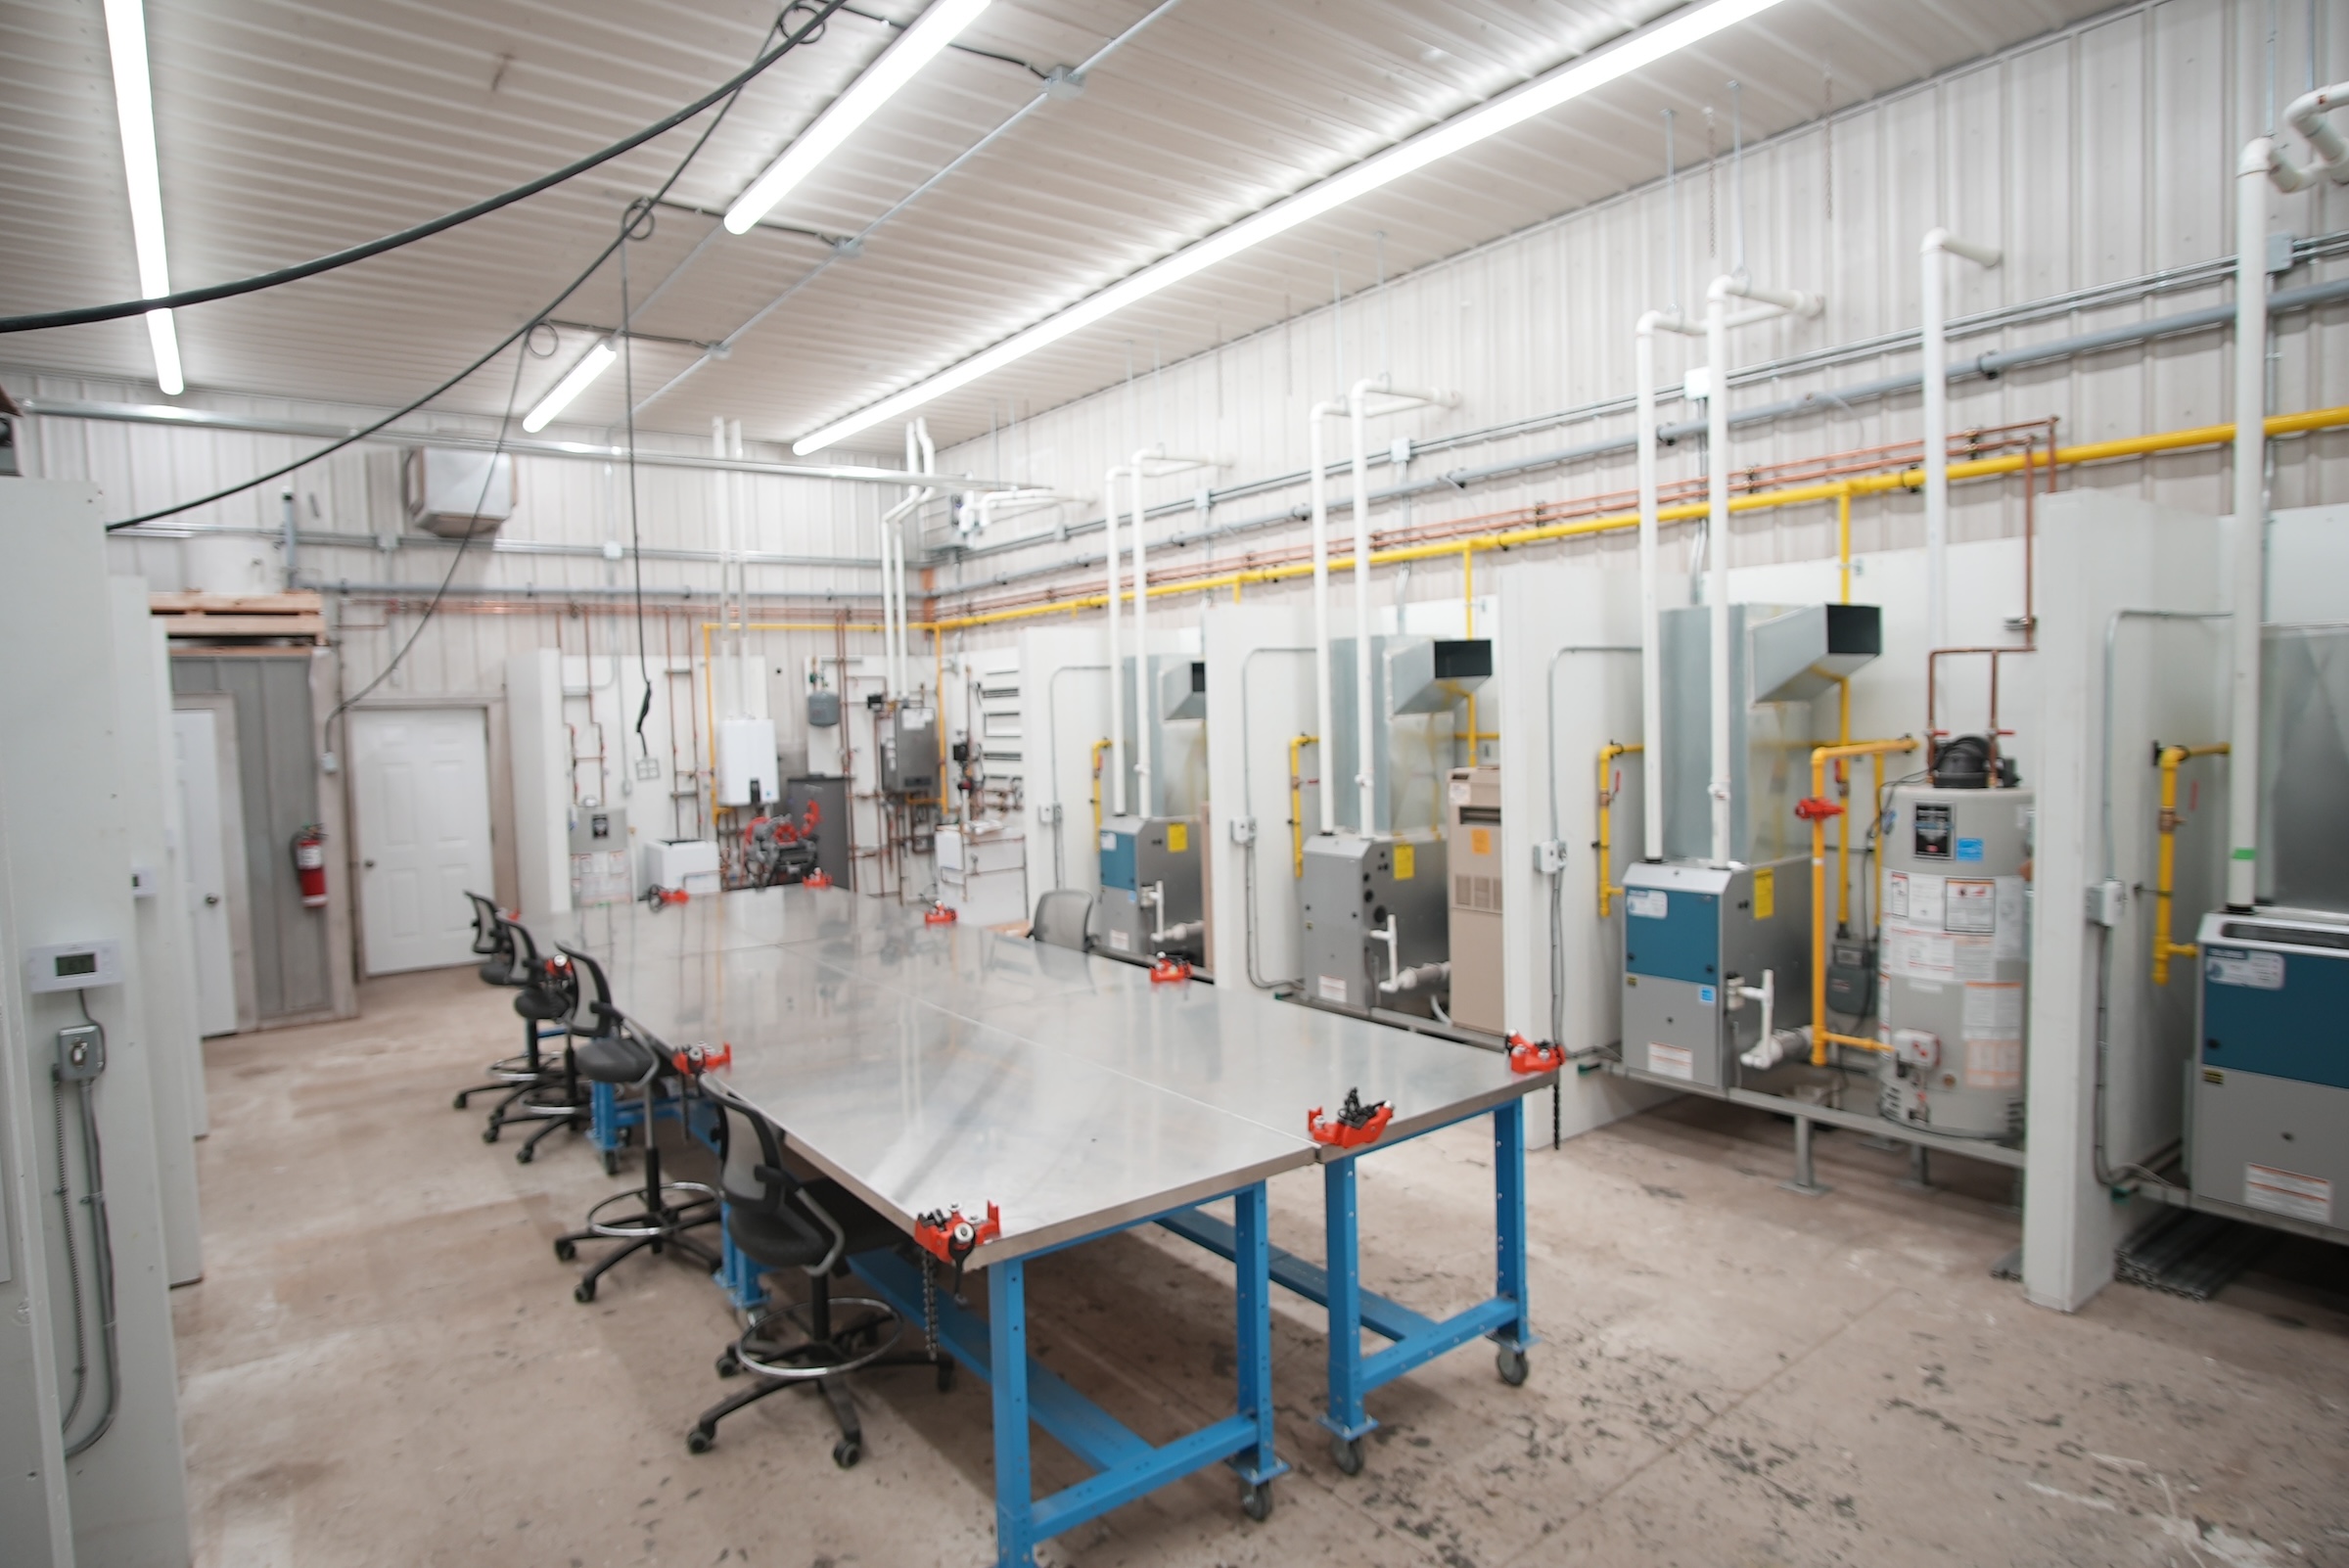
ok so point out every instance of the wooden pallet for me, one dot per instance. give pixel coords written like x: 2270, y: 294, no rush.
x: 241, y: 615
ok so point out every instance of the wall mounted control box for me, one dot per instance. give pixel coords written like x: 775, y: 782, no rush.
x: 74, y: 966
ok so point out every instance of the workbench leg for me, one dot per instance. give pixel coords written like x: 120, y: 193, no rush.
x: 603, y: 1100
x: 1253, y: 1264
x: 1509, y: 1230
x: 1346, y: 1419
x: 743, y: 1282
x: 1007, y: 1355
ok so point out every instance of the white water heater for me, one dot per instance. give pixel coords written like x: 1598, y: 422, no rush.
x: 746, y: 761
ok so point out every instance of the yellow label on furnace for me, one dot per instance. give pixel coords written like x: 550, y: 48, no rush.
x: 1406, y: 862
x: 1179, y: 837
x: 1765, y: 892
x: 1479, y: 841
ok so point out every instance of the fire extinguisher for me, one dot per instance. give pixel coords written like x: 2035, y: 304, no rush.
x: 309, y: 864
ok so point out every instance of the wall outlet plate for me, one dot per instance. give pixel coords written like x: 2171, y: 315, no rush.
x: 1549, y: 857
x: 1243, y: 830
x: 74, y: 965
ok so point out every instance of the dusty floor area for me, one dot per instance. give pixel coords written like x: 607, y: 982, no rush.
x: 383, y: 1364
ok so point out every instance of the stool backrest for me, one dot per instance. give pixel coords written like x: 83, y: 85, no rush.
x: 1060, y: 918
x: 603, y: 1020
x: 753, y: 1179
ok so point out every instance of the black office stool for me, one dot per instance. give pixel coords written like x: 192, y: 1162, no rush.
x: 620, y: 1053
x: 779, y: 1221
x: 535, y: 1088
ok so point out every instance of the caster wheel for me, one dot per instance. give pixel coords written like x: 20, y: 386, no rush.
x: 846, y: 1452
x: 458, y: 1104
x: 945, y: 1376
x: 1257, y: 1502
x: 584, y: 1292
x: 1512, y: 1365
x: 1347, y: 1455
x: 610, y: 1163
x: 565, y: 1251
x: 728, y: 1366
x: 488, y: 1134
x: 698, y: 1439
x: 524, y: 1155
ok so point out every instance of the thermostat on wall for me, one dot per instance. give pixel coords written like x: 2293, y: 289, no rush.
x: 74, y: 965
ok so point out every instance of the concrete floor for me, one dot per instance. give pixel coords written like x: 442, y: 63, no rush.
x: 383, y: 1364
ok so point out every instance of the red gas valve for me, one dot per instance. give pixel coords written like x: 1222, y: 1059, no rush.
x: 1355, y: 1125
x: 694, y: 1060
x: 1525, y: 1056
x: 816, y: 877
x: 1817, y: 809
x: 947, y: 1235
x: 655, y: 896
x: 1169, y: 969
x: 937, y: 914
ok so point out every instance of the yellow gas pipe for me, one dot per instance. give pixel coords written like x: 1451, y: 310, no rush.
x: 1100, y: 747
x: 2165, y: 872
x: 1297, y: 744
x: 1606, y: 835
x: 1820, y: 755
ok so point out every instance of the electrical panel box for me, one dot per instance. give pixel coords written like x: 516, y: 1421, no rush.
x: 1693, y: 935
x: 1151, y: 900
x: 1954, y: 961
x: 601, y: 869
x: 1371, y: 909
x: 909, y: 762
x: 746, y: 761
x: 1474, y: 865
x: 74, y: 965
x: 2270, y: 1123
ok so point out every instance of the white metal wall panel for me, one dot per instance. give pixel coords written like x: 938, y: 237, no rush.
x: 2094, y: 155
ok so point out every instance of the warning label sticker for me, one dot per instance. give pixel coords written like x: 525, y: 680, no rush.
x: 1178, y: 837
x: 2286, y: 1192
x: 1648, y: 904
x: 1994, y: 1010
x: 1122, y: 941
x: 2240, y: 966
x: 1672, y: 1061
x: 1993, y: 1064
x: 1971, y: 959
x: 2010, y: 906
x: 1970, y: 906
x: 1331, y: 989
x: 1918, y: 955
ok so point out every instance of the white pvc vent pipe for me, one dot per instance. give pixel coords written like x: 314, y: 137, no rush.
x: 1936, y: 369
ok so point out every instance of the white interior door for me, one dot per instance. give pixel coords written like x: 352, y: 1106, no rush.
x: 421, y: 779
x: 196, y: 761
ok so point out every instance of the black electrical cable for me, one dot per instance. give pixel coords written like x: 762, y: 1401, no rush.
x: 640, y: 211
x: 537, y: 320
x: 84, y: 314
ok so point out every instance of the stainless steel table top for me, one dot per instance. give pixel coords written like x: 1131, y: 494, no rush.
x: 930, y: 1065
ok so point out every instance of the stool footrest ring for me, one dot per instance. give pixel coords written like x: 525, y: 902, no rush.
x: 643, y: 1224
x: 812, y: 1357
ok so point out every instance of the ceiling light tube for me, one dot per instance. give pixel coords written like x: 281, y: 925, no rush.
x: 1563, y: 84
x: 593, y: 363
x: 134, y: 116
x: 899, y: 63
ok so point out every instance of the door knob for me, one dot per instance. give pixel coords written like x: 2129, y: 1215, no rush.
x: 211, y: 898
x: 370, y: 865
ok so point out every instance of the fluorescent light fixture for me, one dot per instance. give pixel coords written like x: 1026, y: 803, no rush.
x: 593, y: 363
x: 899, y: 63
x: 1565, y: 84
x: 134, y: 113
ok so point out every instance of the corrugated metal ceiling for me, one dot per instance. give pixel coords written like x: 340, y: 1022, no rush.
x: 290, y: 127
